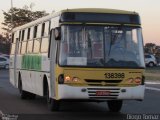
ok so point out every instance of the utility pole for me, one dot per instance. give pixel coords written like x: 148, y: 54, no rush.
x: 12, y: 13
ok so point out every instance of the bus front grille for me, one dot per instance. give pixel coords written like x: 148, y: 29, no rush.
x: 105, y: 93
x: 102, y: 82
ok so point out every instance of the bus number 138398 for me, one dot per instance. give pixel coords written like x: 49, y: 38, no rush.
x: 114, y: 75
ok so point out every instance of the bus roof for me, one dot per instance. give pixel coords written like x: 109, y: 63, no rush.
x: 99, y: 10
x: 85, y: 10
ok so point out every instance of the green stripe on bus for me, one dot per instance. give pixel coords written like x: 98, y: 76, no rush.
x: 32, y: 62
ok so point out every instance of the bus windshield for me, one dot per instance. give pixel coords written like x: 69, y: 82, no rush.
x: 101, y: 46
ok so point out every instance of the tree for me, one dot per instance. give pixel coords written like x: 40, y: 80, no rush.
x: 4, y: 44
x: 150, y: 48
x: 16, y: 17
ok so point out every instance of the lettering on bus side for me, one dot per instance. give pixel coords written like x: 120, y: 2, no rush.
x: 114, y: 75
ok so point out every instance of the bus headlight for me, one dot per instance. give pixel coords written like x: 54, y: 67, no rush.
x: 69, y: 79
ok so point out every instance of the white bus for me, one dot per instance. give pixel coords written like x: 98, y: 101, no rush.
x: 80, y: 54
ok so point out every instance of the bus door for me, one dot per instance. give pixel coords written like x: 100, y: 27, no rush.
x: 52, y: 55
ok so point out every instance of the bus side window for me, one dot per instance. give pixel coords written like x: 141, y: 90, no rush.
x: 45, y: 39
x: 13, y: 41
x: 43, y: 29
x: 23, y: 32
x: 23, y: 49
x: 23, y: 42
x: 19, y: 49
x: 39, y: 29
x: 44, y: 44
x: 12, y: 49
x: 35, y: 32
x: 30, y: 40
x: 31, y: 32
x: 19, y: 35
x: 29, y: 46
x: 28, y: 33
x: 46, y: 31
x: 25, y: 35
x: 37, y: 39
x: 36, y: 46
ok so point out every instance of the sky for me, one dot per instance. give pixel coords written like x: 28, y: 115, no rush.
x: 149, y: 11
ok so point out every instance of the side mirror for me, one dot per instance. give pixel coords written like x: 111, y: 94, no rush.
x: 57, y: 33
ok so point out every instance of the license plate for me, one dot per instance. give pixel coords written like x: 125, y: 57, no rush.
x: 102, y: 93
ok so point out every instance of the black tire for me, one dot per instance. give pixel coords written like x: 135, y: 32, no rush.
x: 23, y: 94
x: 151, y: 64
x: 31, y: 96
x: 115, y: 105
x: 6, y: 66
x: 53, y: 105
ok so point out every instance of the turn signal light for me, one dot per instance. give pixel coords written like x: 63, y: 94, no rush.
x: 75, y: 79
x: 135, y: 80
x: 67, y: 79
x: 138, y: 80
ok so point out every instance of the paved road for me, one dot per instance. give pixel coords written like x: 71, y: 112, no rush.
x: 10, y: 103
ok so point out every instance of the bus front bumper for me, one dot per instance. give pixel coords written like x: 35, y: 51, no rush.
x: 101, y: 93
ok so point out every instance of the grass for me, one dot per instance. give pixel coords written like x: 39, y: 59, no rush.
x: 152, y: 73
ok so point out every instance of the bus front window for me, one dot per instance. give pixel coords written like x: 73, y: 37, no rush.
x: 101, y: 46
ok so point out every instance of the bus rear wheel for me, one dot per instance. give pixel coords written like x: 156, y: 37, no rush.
x: 115, y: 105
x: 23, y: 94
x: 31, y: 96
x: 53, y: 105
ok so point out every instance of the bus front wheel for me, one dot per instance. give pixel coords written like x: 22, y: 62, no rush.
x: 53, y: 104
x: 115, y: 105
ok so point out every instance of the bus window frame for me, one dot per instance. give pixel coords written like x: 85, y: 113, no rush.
x: 45, y: 36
